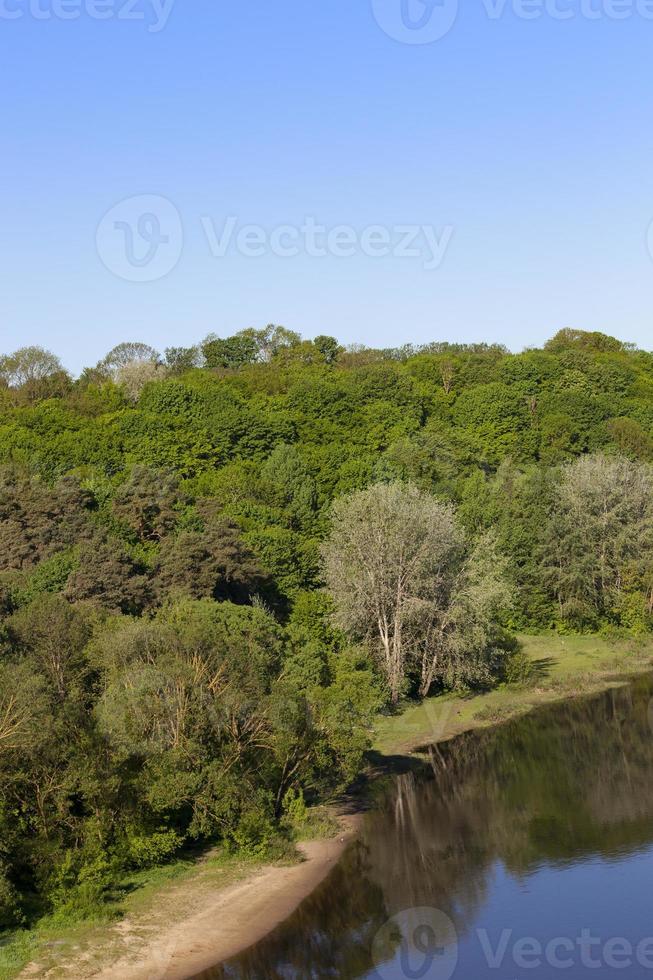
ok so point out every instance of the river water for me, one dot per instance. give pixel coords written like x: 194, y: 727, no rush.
x: 525, y: 851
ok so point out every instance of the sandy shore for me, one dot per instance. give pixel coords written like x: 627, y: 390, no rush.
x: 199, y: 924
x: 231, y: 919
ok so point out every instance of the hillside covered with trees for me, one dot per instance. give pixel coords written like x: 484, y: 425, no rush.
x: 217, y: 564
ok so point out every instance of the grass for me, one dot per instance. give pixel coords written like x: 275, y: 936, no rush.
x: 16, y: 953
x: 563, y: 666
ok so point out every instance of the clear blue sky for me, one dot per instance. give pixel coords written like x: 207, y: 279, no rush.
x: 531, y: 140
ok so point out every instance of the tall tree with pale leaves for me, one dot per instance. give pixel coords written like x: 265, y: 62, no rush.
x: 404, y: 578
x: 386, y: 563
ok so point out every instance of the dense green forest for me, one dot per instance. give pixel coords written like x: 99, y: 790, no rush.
x: 218, y: 564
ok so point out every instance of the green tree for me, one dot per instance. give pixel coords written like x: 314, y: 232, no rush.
x: 180, y: 360
x: 28, y: 365
x: 584, y: 340
x: 328, y: 347
x: 600, y: 537
x: 127, y: 354
x: 149, y: 502
x: 212, y: 562
x: 388, y: 567
x: 107, y: 576
x: 232, y: 352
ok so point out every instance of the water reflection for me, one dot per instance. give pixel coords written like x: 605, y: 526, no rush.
x: 541, y: 828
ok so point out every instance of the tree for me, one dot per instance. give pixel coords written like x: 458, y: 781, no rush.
x: 585, y: 340
x: 388, y: 566
x: 54, y: 635
x: 180, y: 360
x: 133, y: 377
x: 107, y: 576
x: 248, y: 347
x: 37, y: 520
x: 29, y: 364
x: 149, y: 502
x: 448, y: 374
x: 631, y: 438
x: 294, y: 488
x: 599, y: 540
x: 130, y: 352
x: 209, y: 563
x: 185, y: 703
x: 274, y: 339
x: 33, y: 374
x: 462, y: 644
x: 328, y: 347
x: 232, y: 352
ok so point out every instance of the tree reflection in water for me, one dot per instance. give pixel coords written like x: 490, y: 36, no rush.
x: 555, y: 788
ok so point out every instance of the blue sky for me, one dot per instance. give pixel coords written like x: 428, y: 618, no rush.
x: 523, y: 146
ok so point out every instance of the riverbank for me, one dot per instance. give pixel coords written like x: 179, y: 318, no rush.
x: 563, y: 667
x: 182, y: 919
x: 212, y: 910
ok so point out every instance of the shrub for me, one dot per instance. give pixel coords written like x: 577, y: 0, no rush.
x: 148, y: 851
x: 518, y: 668
x: 11, y: 914
x: 255, y: 835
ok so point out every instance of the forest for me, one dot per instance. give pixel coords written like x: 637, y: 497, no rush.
x: 219, y: 563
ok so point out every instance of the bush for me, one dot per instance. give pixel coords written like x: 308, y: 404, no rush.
x: 518, y: 668
x: 255, y: 835
x: 634, y: 613
x: 295, y: 811
x: 147, y: 852
x: 81, y: 895
x: 11, y: 914
x: 303, y: 823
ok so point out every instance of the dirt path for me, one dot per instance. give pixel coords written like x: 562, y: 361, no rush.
x: 203, y: 921
x: 193, y: 929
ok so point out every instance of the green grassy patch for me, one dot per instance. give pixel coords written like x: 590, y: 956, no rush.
x: 563, y: 666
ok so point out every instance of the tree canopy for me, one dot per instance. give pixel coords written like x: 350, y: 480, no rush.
x: 216, y: 566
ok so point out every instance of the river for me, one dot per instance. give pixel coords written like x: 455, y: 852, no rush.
x: 524, y: 851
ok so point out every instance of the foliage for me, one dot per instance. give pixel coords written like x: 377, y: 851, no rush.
x: 403, y: 577
x: 388, y: 565
x: 173, y: 671
x: 126, y: 354
x: 598, y: 549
